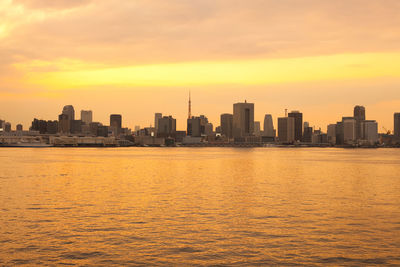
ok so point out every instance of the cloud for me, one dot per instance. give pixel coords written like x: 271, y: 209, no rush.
x: 51, y: 4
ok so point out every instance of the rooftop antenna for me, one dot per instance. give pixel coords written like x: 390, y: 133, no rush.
x: 190, y: 107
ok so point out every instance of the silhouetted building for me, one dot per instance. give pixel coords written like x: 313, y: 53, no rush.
x: 369, y: 131
x: 396, y: 125
x: 19, y: 128
x: 208, y: 129
x: 307, y: 135
x: 166, y: 126
x: 257, y: 128
x: 157, y: 116
x: 286, y: 129
x: 243, y: 119
x: 39, y: 125
x: 331, y: 134
x: 2, y: 125
x: 76, y: 127
x: 93, y: 127
x: 102, y: 131
x: 227, y: 125
x: 7, y: 127
x: 269, y: 126
x: 359, y: 116
x: 86, y: 116
x: 52, y: 127
x: 349, y: 130
x: 64, y: 123
x: 298, y: 124
x: 194, y: 127
x: 69, y: 110
x: 116, y: 123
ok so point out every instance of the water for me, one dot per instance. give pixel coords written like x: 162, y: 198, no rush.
x: 199, y: 206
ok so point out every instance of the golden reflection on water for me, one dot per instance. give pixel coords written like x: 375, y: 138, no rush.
x: 190, y: 206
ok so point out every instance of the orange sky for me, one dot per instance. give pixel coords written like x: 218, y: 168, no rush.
x: 141, y: 57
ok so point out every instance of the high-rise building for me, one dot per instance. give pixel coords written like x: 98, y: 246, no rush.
x: 257, y: 128
x: 298, y: 124
x: 396, y: 125
x: 64, y: 123
x: 359, y: 116
x: 19, y: 127
x: 286, y: 126
x: 194, y: 127
x: 268, y: 126
x: 307, y: 134
x: 166, y: 126
x: 76, y: 127
x: 69, y: 110
x: 86, y: 116
x: 227, y: 125
x: 208, y: 129
x: 116, y: 123
x: 349, y: 130
x: 369, y: 131
x: 331, y: 134
x: 157, y: 116
x: 243, y: 119
x: 52, y: 127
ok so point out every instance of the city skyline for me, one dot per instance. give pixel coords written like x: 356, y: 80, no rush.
x: 131, y: 57
x: 83, y: 113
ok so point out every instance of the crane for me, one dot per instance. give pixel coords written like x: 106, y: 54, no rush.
x: 386, y: 130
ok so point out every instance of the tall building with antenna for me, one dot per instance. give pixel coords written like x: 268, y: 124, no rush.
x: 190, y: 107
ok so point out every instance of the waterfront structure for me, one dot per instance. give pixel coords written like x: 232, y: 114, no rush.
x: 298, y: 124
x: 349, y: 130
x: 257, y: 128
x: 286, y: 128
x: 166, y: 126
x: 268, y: 126
x: 243, y: 119
x: 86, y: 116
x: 369, y: 131
x: 396, y: 131
x: 331, y: 134
x: 157, y: 116
x: 69, y: 111
x: 227, y: 125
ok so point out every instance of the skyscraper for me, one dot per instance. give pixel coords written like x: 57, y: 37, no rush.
x: 349, y: 130
x: 369, y: 131
x: 397, y: 124
x: 194, y: 126
x: 69, y: 111
x: 116, y: 123
x: 298, y: 124
x: 286, y: 129
x: 64, y: 123
x: 166, y: 126
x: 257, y: 128
x: 227, y: 125
x: 331, y: 134
x: 243, y: 119
x: 268, y: 126
x: 86, y: 116
x: 157, y: 116
x: 359, y: 116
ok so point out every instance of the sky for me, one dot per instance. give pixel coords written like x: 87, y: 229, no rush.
x: 139, y: 57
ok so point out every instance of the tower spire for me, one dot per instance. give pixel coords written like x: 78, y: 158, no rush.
x: 190, y: 107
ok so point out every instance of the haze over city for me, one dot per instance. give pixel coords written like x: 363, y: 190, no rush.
x: 136, y: 58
